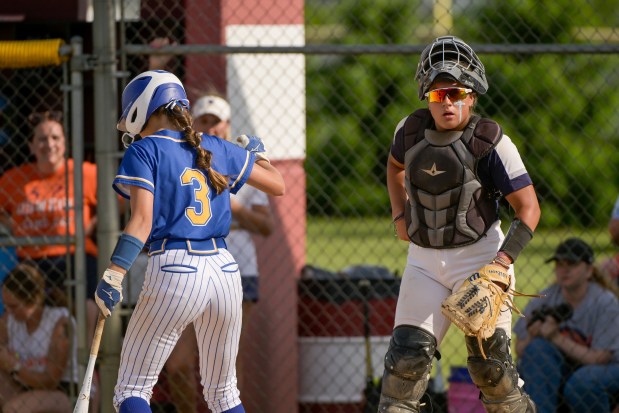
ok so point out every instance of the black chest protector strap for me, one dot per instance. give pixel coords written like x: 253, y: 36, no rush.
x: 480, y: 136
x: 447, y: 205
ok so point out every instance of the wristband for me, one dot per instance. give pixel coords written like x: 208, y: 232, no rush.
x: 126, y: 251
x: 501, y: 261
x: 517, y: 238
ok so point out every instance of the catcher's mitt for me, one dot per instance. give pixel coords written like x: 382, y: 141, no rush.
x: 476, y: 306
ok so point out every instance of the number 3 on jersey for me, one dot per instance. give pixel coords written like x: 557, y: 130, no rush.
x: 197, y: 216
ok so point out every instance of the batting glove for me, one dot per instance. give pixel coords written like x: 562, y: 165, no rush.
x: 109, y: 291
x: 252, y: 144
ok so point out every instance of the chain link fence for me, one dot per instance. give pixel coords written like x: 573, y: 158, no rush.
x: 325, y: 83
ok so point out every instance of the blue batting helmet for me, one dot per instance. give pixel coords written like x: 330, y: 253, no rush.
x: 146, y: 93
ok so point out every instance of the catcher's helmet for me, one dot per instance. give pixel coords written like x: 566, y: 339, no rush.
x: 146, y: 93
x: 449, y: 55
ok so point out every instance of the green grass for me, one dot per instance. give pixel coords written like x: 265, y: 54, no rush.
x: 337, y: 243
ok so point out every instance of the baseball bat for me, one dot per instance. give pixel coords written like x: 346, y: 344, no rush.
x: 372, y: 389
x: 83, y: 398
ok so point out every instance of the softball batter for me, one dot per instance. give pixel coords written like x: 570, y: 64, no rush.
x: 446, y: 170
x: 179, y: 184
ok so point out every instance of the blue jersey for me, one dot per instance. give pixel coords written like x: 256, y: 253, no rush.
x: 186, y: 206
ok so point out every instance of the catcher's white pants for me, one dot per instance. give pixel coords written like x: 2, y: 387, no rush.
x: 431, y: 275
x: 180, y: 288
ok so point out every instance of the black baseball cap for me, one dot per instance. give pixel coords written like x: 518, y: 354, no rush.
x: 573, y: 249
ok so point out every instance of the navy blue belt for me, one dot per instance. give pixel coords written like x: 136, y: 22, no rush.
x: 198, y: 247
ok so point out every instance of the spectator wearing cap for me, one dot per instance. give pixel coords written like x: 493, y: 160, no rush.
x: 251, y: 215
x: 211, y: 115
x: 571, y: 358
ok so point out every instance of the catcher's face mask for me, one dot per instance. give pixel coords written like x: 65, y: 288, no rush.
x: 449, y: 55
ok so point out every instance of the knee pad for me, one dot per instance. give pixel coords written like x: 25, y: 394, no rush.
x: 496, y: 375
x: 407, y: 367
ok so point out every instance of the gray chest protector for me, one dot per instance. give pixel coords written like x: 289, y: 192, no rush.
x: 447, y: 205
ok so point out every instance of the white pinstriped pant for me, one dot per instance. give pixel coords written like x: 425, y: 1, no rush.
x: 178, y: 289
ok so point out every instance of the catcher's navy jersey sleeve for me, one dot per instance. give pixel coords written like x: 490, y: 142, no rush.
x: 186, y: 206
x: 503, y: 168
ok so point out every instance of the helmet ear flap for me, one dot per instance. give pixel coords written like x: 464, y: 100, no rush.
x: 130, y: 123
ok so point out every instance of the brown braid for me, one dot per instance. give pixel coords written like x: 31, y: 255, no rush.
x: 182, y: 120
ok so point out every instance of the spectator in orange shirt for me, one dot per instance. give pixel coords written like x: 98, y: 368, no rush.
x: 34, y: 198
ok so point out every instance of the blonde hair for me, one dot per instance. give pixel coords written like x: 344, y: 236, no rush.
x: 182, y: 120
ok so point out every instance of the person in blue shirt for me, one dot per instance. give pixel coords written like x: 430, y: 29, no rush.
x: 179, y: 183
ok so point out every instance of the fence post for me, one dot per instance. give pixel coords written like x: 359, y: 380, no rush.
x: 106, y: 146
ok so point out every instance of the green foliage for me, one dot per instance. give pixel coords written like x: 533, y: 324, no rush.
x: 335, y: 243
x: 349, y: 98
x: 560, y: 110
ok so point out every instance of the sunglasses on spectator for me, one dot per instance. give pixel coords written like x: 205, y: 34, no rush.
x: 37, y: 117
x: 454, y: 93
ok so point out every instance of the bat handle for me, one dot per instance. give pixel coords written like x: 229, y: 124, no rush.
x: 96, y: 340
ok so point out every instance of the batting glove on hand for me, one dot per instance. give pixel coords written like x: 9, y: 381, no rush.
x: 109, y: 291
x: 252, y: 144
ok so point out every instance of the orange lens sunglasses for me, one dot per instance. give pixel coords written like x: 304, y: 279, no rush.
x: 454, y: 93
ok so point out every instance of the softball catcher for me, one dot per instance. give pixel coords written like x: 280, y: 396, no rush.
x: 446, y: 171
